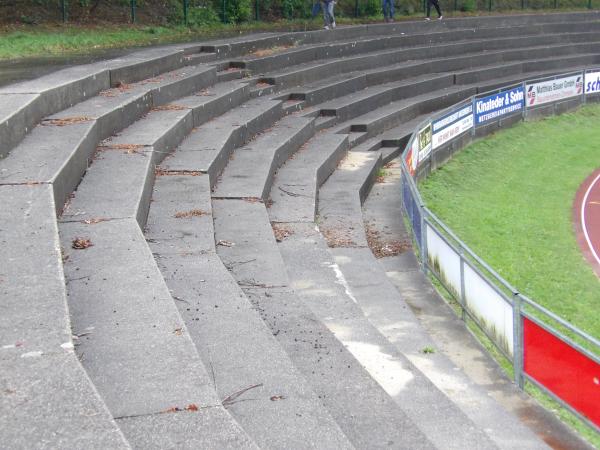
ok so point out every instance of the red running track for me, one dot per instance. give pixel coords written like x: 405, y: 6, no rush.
x: 586, y: 215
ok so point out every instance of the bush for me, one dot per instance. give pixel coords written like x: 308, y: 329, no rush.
x: 238, y: 10
x: 202, y: 15
x: 468, y: 6
x: 369, y: 7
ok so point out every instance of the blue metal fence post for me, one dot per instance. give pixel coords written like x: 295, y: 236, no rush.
x: 518, y: 348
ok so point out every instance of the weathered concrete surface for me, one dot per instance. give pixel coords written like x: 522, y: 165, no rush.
x: 295, y: 188
x: 208, y: 148
x: 320, y: 284
x: 341, y: 197
x: 47, y: 400
x: 342, y: 385
x: 250, y: 170
x: 230, y: 336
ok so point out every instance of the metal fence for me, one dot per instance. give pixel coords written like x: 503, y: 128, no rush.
x: 544, y: 349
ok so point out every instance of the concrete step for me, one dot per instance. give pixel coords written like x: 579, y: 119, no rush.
x: 391, y: 243
x: 118, y: 183
x: 373, y: 97
x: 362, y: 410
x: 213, y: 101
x: 253, y: 376
x: 385, y: 309
x: 309, y: 72
x: 133, y: 343
x: 199, y: 58
x: 47, y: 399
x: 295, y: 188
x: 208, y: 148
x: 52, y: 93
x: 230, y: 74
x: 396, y: 113
x: 251, y: 168
x: 341, y: 198
x: 59, y: 150
x: 310, y: 265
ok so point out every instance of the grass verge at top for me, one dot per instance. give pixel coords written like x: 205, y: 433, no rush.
x: 22, y: 41
x: 510, y: 198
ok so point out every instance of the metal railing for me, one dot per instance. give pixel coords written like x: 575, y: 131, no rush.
x: 513, y: 322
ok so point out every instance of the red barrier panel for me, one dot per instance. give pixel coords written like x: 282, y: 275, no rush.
x: 566, y: 372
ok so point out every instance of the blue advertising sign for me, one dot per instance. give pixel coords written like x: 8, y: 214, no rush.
x: 498, y: 105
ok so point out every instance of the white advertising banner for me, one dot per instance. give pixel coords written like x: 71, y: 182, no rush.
x: 553, y: 90
x: 494, y: 314
x: 443, y: 260
x: 451, y: 125
x: 592, y: 82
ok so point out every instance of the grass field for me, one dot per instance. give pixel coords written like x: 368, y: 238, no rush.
x: 510, y: 198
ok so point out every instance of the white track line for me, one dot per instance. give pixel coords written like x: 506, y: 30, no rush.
x: 585, y: 232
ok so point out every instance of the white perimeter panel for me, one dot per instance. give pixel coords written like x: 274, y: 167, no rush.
x: 492, y: 311
x: 442, y: 257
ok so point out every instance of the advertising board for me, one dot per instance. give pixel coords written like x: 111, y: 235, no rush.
x: 592, y: 82
x: 553, y: 90
x: 424, y: 142
x: 451, y: 125
x: 499, y: 105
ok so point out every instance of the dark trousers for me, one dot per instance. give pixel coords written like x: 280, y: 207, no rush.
x: 436, y: 5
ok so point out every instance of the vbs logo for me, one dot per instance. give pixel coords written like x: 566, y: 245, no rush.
x: 531, y: 94
x: 579, y: 85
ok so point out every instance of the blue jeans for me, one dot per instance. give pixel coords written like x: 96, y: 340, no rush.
x: 328, y: 13
x: 388, y: 8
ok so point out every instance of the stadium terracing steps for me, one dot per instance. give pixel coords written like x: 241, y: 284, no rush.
x: 186, y: 254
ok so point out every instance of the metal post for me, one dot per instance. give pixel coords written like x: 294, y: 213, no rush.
x: 518, y: 348
x: 356, y: 8
x: 256, y: 13
x: 224, y: 17
x: 63, y: 7
x: 132, y: 11
x: 555, y: 4
x: 490, y: 6
x: 185, y: 12
x: 463, y: 296
x: 455, y: 5
x: 589, y: 4
x: 423, y: 239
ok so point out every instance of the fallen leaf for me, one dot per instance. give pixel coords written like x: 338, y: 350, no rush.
x: 81, y: 243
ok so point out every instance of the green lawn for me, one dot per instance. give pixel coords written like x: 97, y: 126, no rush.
x: 510, y: 197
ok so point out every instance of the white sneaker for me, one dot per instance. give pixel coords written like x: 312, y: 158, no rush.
x: 326, y: 27
x: 333, y: 25
x: 440, y: 18
x: 427, y: 18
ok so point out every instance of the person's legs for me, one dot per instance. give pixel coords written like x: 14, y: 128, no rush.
x: 330, y: 6
x: 325, y: 7
x: 437, y: 7
x: 428, y: 8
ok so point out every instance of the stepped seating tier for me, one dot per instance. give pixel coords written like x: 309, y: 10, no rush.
x: 197, y: 268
